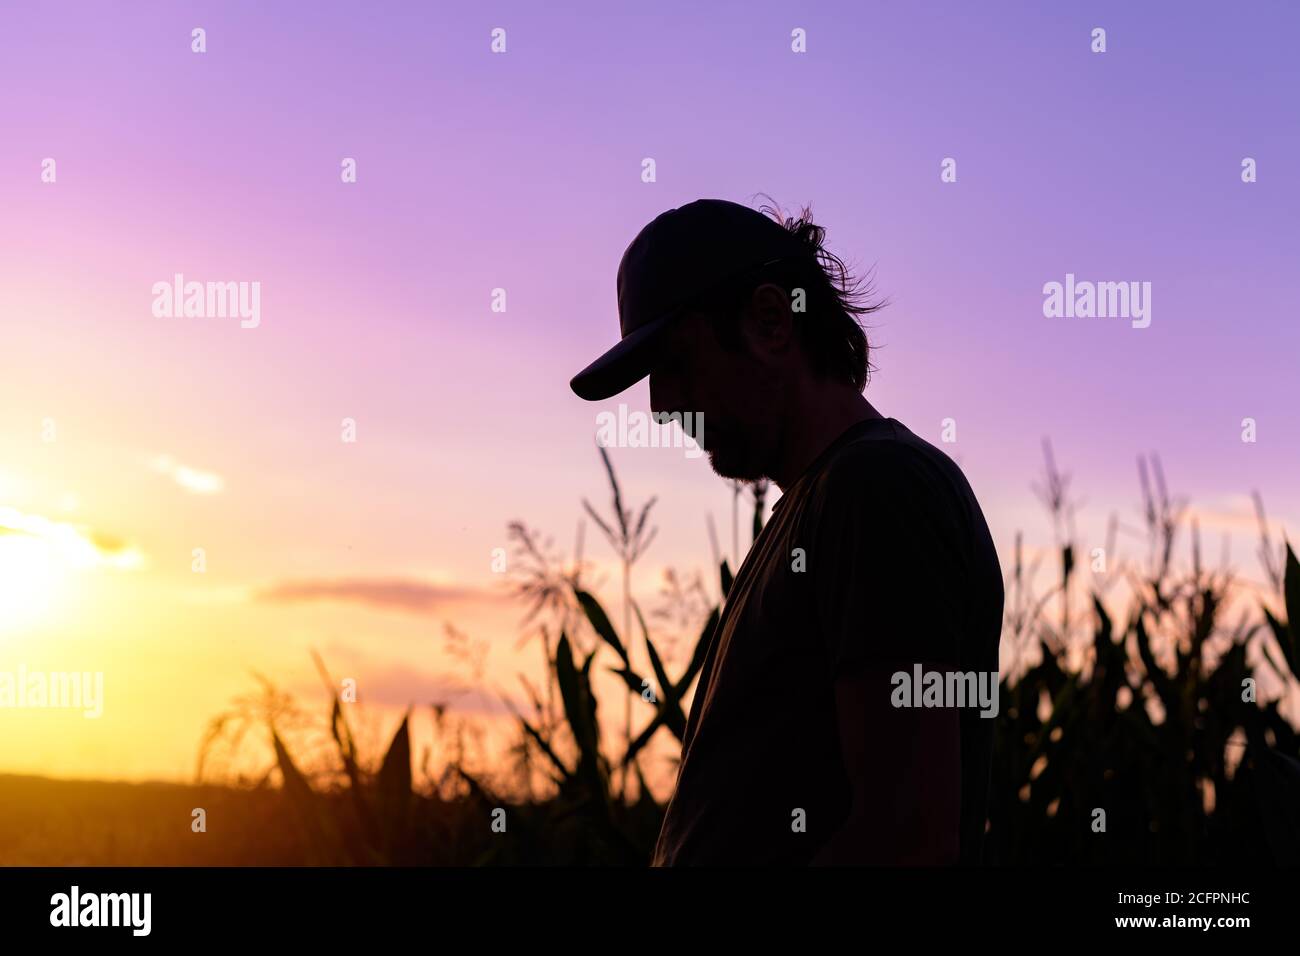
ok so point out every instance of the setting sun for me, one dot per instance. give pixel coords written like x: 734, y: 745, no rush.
x: 36, y: 556
x: 31, y: 573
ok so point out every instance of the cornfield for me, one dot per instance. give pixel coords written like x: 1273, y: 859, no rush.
x: 1132, y: 736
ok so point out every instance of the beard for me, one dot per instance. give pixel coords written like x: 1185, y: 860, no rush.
x: 736, y: 458
x: 745, y: 445
x: 735, y: 468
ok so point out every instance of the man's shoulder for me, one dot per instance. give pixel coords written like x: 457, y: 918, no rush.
x: 886, y: 455
x: 888, y: 477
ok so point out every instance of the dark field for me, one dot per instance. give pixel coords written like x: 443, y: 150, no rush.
x: 47, y: 822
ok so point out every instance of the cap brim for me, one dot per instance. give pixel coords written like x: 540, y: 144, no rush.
x: 631, y: 360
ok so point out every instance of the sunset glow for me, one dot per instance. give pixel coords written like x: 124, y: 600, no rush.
x: 191, y: 500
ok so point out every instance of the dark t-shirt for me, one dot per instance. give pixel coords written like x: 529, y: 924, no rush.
x: 878, y: 554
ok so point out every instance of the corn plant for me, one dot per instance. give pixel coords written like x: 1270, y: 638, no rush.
x: 629, y: 536
x: 376, y: 827
x: 1155, y: 749
x: 584, y: 790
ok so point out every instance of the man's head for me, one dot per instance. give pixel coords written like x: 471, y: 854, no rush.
x: 741, y: 317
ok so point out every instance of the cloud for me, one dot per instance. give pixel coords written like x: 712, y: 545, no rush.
x: 409, y: 595
x: 1234, y: 513
x: 400, y: 684
x: 77, y: 544
x: 192, y: 480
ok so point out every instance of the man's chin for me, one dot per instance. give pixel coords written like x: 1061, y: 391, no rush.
x: 732, y: 467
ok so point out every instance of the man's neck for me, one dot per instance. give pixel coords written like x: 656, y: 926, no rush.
x: 825, y: 414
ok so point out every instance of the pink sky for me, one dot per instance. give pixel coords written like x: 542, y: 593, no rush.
x: 522, y: 171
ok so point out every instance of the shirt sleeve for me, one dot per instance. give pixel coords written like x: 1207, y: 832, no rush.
x: 884, y: 565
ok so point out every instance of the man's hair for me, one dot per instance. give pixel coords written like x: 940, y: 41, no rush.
x: 829, y: 328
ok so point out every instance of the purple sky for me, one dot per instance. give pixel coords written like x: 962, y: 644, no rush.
x: 522, y: 171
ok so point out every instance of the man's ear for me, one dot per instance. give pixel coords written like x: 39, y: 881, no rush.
x: 771, y: 320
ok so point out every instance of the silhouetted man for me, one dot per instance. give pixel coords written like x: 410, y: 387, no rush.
x: 837, y: 718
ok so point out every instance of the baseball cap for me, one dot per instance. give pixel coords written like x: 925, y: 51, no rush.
x: 680, y: 255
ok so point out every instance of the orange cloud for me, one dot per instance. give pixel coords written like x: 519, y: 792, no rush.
x: 398, y: 686
x: 411, y: 596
